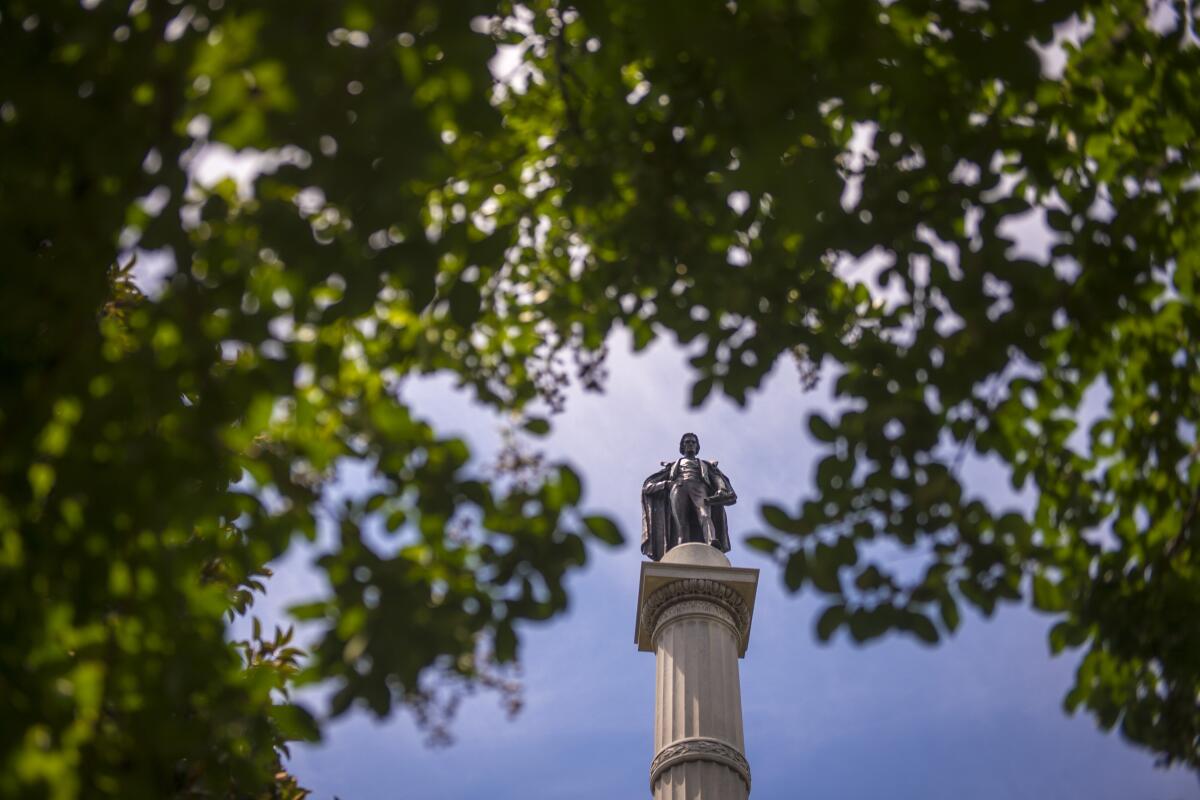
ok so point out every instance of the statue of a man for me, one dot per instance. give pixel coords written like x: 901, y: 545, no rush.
x: 685, y: 502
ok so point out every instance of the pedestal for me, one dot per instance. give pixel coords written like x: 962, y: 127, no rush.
x: 694, y: 613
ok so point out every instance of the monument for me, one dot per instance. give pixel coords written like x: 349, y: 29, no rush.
x: 693, y: 612
x: 684, y: 502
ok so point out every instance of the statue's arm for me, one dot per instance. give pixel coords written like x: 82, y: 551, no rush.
x: 657, y: 482
x: 723, y: 493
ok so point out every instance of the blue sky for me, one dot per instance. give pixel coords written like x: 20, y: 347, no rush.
x: 978, y: 716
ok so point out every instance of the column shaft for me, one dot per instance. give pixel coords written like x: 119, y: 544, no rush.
x: 698, y: 739
x: 694, y: 613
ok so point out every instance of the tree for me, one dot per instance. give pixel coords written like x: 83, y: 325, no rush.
x: 683, y: 170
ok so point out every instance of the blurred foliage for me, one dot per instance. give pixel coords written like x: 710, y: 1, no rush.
x: 702, y: 171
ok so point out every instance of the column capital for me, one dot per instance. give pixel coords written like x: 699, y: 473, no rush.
x: 726, y: 593
x: 696, y: 597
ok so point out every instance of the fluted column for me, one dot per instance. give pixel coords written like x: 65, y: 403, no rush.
x: 694, y: 613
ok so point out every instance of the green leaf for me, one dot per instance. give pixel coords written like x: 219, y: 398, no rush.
x: 41, y: 479
x: 777, y: 518
x: 295, y: 723
x: 921, y: 626
x: 820, y: 428
x: 1067, y: 634
x: 505, y: 644
x: 762, y: 544
x: 823, y: 569
x: 604, y: 529
x: 870, y: 578
x: 796, y: 571
x: 845, y: 551
x: 537, y: 426
x: 572, y: 486
x: 309, y: 611
x: 395, y: 520
x: 949, y: 612
x: 465, y: 303
x: 831, y: 618
x: 1047, y: 595
x: 980, y: 598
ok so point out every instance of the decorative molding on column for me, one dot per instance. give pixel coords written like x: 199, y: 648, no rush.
x: 691, y: 609
x: 699, y: 748
x: 696, y: 596
x: 664, y: 584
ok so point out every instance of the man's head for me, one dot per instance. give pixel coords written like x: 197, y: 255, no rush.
x: 689, y: 445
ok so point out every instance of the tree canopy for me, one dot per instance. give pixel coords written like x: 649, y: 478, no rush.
x: 700, y: 172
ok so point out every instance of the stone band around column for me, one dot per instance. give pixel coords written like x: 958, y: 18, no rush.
x: 730, y: 607
x: 689, y: 608
x: 699, y: 748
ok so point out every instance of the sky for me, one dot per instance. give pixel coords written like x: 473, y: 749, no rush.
x: 978, y: 716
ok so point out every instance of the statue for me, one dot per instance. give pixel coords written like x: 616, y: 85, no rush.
x: 685, y: 502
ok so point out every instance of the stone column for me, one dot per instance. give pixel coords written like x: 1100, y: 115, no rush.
x: 694, y: 612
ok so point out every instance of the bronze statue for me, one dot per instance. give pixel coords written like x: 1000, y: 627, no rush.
x: 685, y: 502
